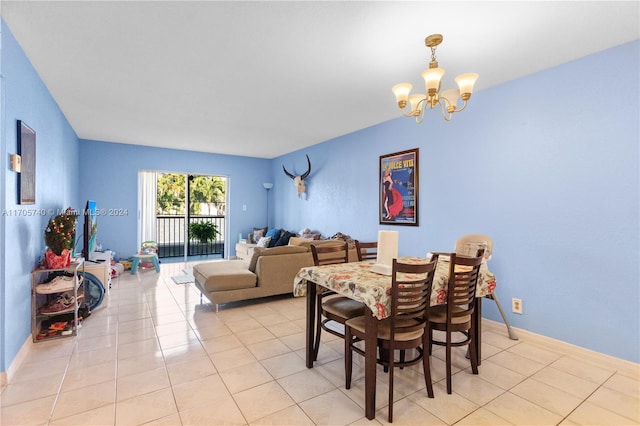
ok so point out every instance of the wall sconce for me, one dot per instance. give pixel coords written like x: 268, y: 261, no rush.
x: 267, y: 185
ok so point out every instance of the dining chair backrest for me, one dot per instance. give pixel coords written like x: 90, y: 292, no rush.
x: 327, y: 254
x: 411, y: 286
x: 468, y: 245
x: 464, y: 272
x: 407, y: 327
x: 367, y: 250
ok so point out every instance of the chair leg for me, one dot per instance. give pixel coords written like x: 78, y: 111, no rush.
x: 348, y: 357
x: 448, y: 360
x: 512, y: 334
x: 430, y: 341
x: 383, y: 354
x: 391, y: 353
x: 473, y: 351
x: 426, y: 367
x: 316, y: 344
x: 473, y: 357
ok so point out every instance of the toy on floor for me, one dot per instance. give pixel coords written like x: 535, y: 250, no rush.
x: 146, y: 258
x: 148, y: 247
x: 117, y: 269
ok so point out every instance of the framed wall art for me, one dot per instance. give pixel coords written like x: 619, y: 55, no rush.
x: 27, y: 176
x: 399, y: 188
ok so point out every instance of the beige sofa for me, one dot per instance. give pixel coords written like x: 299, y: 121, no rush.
x: 244, y: 250
x: 269, y: 272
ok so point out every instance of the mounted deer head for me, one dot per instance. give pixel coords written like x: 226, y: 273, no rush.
x: 299, y: 180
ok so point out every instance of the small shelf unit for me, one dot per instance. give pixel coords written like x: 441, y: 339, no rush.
x: 56, y: 295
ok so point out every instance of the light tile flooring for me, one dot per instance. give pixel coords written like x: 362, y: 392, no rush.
x: 156, y: 355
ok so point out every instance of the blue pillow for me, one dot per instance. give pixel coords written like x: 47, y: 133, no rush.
x: 274, y: 234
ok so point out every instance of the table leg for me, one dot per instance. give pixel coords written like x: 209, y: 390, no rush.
x: 311, y: 316
x: 370, y: 354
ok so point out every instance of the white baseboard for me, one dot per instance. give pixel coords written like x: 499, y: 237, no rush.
x: 6, y: 376
x: 623, y: 366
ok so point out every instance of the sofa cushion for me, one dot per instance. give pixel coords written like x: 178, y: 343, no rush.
x: 274, y: 234
x: 257, y: 234
x: 244, y: 251
x: 299, y: 241
x: 284, y: 238
x: 273, y: 251
x: 307, y: 242
x: 257, y: 251
x: 224, y: 275
x: 264, y: 242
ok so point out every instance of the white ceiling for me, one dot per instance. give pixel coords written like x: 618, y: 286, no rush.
x: 262, y: 79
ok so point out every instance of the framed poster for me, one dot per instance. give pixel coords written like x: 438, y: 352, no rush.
x: 399, y: 188
x: 27, y: 152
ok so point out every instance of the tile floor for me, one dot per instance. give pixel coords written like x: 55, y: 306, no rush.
x: 156, y: 355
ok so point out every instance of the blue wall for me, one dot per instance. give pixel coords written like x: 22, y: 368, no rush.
x: 26, y: 98
x: 553, y: 179
x: 542, y: 164
x: 109, y: 174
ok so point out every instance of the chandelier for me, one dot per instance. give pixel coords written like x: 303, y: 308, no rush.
x: 447, y: 100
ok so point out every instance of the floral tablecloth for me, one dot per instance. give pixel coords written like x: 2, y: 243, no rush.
x: 356, y: 281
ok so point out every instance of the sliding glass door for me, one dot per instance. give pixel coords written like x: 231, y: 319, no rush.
x: 188, y: 212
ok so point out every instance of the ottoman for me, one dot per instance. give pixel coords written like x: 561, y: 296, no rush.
x: 223, y: 275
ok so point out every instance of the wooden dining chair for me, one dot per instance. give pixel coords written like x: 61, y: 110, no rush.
x: 405, y: 328
x: 456, y: 316
x: 367, y: 250
x: 331, y: 306
x: 468, y: 245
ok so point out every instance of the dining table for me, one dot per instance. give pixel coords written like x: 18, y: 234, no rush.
x: 357, y: 281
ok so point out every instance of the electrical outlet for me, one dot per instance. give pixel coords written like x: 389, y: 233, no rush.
x: 516, y: 306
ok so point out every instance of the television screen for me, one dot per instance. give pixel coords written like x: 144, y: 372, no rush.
x: 90, y: 229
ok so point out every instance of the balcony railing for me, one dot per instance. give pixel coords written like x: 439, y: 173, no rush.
x: 170, y: 231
